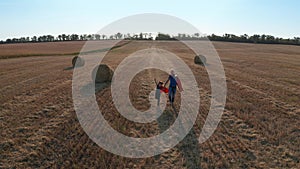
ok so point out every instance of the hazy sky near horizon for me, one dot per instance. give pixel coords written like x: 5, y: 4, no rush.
x: 22, y: 18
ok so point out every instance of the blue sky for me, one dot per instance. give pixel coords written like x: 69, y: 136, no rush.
x: 38, y: 17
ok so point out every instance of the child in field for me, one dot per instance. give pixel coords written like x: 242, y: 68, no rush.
x: 159, y: 86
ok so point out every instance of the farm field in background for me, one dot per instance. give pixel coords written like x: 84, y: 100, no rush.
x: 259, y: 127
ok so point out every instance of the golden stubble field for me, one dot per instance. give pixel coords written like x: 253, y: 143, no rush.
x: 259, y: 127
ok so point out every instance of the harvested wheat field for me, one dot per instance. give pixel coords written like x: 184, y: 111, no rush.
x: 260, y: 127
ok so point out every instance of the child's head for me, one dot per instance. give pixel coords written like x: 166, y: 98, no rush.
x: 160, y: 83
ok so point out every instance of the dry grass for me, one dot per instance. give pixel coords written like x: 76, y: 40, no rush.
x: 259, y: 128
x: 48, y: 48
x: 51, y: 48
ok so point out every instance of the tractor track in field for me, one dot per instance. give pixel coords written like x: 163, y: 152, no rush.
x: 257, y: 82
x: 290, y: 108
x: 33, y: 119
x: 33, y: 85
x: 42, y: 67
x: 240, y: 138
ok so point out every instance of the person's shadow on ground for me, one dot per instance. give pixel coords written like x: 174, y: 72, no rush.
x: 189, y: 146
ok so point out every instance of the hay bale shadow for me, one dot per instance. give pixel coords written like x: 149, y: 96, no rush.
x: 69, y: 68
x: 87, y: 89
x: 101, y: 86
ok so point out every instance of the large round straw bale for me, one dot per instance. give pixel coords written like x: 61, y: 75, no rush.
x: 102, y: 73
x: 200, y: 59
x: 78, y: 61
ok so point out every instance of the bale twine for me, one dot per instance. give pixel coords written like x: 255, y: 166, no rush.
x: 102, y: 73
x: 78, y: 61
x: 200, y: 59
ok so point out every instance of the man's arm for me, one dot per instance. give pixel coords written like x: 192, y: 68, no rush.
x: 166, y: 82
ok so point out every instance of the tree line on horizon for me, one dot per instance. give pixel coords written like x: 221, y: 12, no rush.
x: 264, y: 39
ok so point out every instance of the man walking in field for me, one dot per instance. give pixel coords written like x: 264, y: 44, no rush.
x: 174, y: 83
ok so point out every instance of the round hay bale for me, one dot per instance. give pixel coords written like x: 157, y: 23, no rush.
x: 80, y: 61
x: 200, y: 59
x: 102, y: 73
